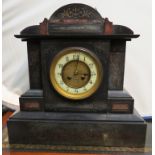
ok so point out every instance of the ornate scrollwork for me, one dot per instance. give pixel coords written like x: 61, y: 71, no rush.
x: 76, y: 11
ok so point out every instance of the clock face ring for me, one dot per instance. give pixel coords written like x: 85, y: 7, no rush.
x: 76, y: 73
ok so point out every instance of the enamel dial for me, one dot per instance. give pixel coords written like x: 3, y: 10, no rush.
x: 76, y: 73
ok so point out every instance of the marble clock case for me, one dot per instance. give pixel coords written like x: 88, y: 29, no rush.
x: 107, y: 118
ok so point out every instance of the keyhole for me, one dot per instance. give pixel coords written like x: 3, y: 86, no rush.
x: 69, y: 78
x: 83, y: 77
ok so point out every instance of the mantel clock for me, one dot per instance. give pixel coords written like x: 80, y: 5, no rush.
x: 76, y: 71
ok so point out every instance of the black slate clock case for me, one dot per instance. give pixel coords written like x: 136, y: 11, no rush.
x: 55, y: 102
x: 109, y: 108
x: 87, y: 30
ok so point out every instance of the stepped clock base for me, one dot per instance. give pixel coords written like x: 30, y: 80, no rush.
x: 77, y: 129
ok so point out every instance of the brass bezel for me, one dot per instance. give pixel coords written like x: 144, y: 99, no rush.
x: 81, y: 95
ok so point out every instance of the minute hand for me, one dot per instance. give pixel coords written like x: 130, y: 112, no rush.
x: 76, y: 71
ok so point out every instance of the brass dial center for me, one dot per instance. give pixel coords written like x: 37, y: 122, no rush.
x: 76, y: 74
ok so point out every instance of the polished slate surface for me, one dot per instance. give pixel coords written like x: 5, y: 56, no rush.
x: 41, y: 151
x: 118, y: 151
x: 79, y: 116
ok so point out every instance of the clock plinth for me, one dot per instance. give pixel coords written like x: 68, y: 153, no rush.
x: 77, y: 129
x: 76, y: 71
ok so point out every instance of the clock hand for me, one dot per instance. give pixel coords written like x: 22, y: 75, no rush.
x: 76, y: 71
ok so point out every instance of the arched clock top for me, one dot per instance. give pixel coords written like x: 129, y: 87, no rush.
x: 75, y: 11
x: 77, y: 20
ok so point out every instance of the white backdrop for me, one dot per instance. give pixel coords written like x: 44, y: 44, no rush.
x: 136, y: 14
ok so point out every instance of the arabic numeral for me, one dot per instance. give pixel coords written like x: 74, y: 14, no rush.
x: 84, y: 88
x: 75, y: 57
x: 90, y: 81
x: 59, y: 74
x: 93, y: 74
x: 76, y: 90
x: 91, y: 65
x: 67, y: 59
x: 61, y: 83
x: 60, y: 65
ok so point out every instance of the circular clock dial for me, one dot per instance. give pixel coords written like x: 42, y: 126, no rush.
x: 75, y: 73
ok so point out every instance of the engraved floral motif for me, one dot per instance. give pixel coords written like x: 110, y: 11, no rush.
x: 76, y: 12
